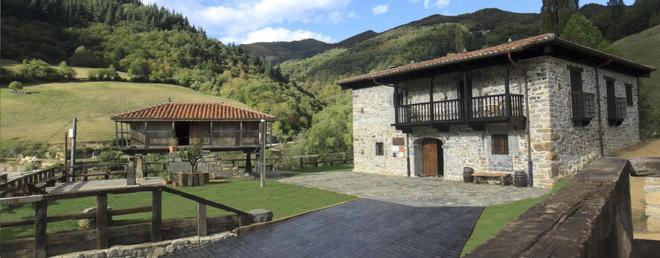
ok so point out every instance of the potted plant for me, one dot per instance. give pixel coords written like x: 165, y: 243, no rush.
x: 172, y: 142
x: 165, y: 175
x: 192, y: 155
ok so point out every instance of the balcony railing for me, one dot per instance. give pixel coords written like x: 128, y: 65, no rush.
x: 584, y: 107
x: 617, y: 114
x: 482, y: 109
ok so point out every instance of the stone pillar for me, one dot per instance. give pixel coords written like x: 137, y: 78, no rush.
x: 261, y: 215
x: 139, y: 169
x: 248, y: 163
x: 130, y: 172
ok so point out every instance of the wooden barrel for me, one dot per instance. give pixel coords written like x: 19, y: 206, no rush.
x: 520, y: 178
x: 467, y: 174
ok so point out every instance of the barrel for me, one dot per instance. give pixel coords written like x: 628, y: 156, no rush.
x: 520, y: 178
x: 467, y: 174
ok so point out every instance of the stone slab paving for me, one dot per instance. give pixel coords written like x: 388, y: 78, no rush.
x: 414, y: 191
x: 361, y: 228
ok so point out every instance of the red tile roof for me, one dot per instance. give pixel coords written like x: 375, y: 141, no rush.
x: 510, y: 47
x: 193, y: 112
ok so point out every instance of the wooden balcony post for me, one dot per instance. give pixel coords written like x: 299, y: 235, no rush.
x: 467, y: 98
x: 102, y: 221
x: 40, y: 225
x: 431, y: 111
x: 116, y: 135
x: 211, y: 134
x: 507, y: 94
x: 396, y: 103
x: 156, y: 219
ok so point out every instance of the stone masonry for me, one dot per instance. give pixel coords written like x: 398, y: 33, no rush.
x: 558, y: 146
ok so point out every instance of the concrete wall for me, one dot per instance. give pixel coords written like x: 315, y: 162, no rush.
x: 590, y: 217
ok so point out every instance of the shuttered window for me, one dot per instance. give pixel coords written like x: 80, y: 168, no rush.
x: 500, y: 144
x: 629, y: 94
x: 379, y: 149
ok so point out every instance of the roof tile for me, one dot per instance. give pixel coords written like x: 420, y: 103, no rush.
x: 193, y: 112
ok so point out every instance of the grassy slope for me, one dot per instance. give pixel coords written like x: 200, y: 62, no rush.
x: 644, y: 47
x: 49, y: 106
x: 283, y: 199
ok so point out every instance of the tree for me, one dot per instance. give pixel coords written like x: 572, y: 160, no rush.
x: 580, y: 30
x: 84, y: 57
x: 191, y: 155
x: 556, y: 13
x: 138, y: 70
x: 16, y: 86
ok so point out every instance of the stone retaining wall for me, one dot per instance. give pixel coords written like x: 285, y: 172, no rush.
x: 150, y: 249
x: 590, y: 217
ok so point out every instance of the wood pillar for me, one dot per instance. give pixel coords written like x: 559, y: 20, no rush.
x: 240, y: 134
x: 431, y: 107
x: 201, y: 220
x: 507, y: 94
x: 211, y: 134
x: 40, y: 225
x: 146, y: 136
x: 116, y: 134
x: 466, y: 98
x: 102, y: 221
x: 156, y: 219
x: 396, y: 103
x: 248, y: 162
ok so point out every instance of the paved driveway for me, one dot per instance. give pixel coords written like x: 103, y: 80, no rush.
x: 361, y: 228
x: 414, y: 191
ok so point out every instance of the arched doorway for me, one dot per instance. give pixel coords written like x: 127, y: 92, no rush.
x: 429, y: 158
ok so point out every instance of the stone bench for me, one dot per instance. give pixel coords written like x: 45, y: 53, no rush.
x: 504, y: 178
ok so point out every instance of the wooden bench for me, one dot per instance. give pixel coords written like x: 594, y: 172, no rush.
x: 504, y: 178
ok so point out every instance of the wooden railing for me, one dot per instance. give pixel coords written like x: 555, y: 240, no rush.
x: 482, y: 109
x: 583, y: 106
x: 103, y: 217
x: 37, y: 179
x: 301, y: 161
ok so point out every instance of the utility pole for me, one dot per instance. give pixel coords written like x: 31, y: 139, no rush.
x: 73, y: 149
x: 262, y: 152
x: 66, y: 148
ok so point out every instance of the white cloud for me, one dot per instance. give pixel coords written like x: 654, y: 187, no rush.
x: 433, y: 3
x: 270, y: 34
x: 380, y: 9
x: 235, y: 19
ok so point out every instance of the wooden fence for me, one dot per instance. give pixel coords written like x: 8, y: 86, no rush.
x: 106, y: 234
x: 298, y: 162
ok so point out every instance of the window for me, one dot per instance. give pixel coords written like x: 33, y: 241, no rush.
x: 379, y: 149
x: 629, y: 94
x: 577, y: 100
x: 500, y: 144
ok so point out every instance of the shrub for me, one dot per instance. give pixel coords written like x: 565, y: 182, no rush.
x: 105, y: 74
x: 37, y: 70
x: 84, y: 57
x: 109, y: 156
x: 191, y: 155
x: 15, y: 148
x: 66, y: 72
x: 16, y: 86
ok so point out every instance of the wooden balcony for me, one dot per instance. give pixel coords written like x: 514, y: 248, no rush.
x: 480, y: 110
x: 616, y: 113
x: 584, y: 107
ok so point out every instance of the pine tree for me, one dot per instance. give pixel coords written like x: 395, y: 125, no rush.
x: 556, y: 13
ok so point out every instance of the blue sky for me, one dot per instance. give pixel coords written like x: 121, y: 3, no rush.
x: 247, y: 21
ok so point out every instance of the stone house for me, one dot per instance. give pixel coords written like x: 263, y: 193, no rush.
x: 483, y: 109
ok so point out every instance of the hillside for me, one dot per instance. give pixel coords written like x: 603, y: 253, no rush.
x: 281, y: 51
x: 48, y: 107
x: 644, y: 47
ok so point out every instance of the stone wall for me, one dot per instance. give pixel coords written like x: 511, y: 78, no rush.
x: 590, y: 217
x: 150, y: 249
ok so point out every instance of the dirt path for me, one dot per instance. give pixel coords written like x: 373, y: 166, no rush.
x: 648, y: 148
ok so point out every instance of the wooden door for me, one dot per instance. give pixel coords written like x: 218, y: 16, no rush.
x: 430, y: 158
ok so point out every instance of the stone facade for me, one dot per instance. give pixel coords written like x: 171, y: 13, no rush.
x: 558, y: 146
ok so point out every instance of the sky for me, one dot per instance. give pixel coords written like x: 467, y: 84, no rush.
x: 249, y: 21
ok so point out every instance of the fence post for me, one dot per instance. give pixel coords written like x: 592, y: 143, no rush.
x: 40, y: 225
x: 156, y: 206
x: 201, y: 220
x: 102, y: 221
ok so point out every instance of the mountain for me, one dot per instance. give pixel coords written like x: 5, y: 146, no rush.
x: 357, y: 38
x: 644, y: 47
x: 280, y: 51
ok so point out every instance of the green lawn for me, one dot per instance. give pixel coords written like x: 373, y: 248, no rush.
x: 50, y: 106
x: 495, y: 217
x: 283, y: 199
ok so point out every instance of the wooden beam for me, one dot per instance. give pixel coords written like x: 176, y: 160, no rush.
x: 102, y: 221
x: 40, y: 226
x: 211, y: 134
x: 156, y: 218
x: 507, y: 93
x: 201, y: 220
x: 431, y: 108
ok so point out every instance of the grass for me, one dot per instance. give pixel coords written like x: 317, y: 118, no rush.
x: 283, y: 199
x: 50, y: 106
x: 495, y: 217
